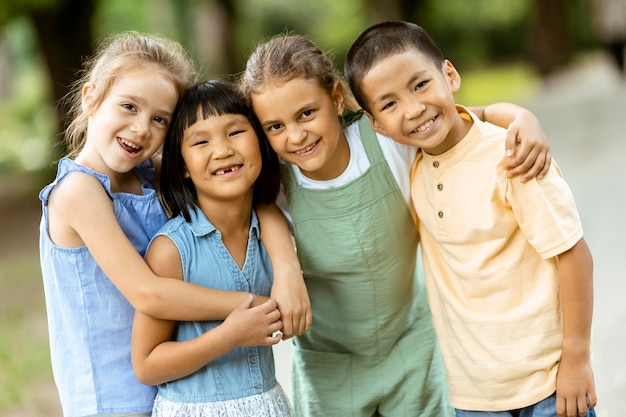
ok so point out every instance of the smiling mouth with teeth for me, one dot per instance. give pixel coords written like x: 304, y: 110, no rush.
x: 426, y: 125
x: 307, y: 149
x: 227, y: 170
x: 129, y: 147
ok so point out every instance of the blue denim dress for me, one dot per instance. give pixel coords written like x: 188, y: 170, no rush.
x: 89, y: 320
x: 244, y: 371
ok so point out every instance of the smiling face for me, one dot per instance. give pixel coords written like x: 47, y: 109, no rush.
x: 222, y: 158
x: 412, y: 101
x: 301, y: 121
x: 130, y: 124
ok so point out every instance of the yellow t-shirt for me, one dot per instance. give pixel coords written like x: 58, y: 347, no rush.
x: 489, y: 245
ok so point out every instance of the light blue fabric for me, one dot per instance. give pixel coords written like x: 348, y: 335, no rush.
x: 89, y: 320
x: 143, y: 414
x: 544, y: 408
x: 206, y: 261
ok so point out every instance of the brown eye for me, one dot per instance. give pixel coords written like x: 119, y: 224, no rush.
x: 421, y: 84
x: 161, y: 120
x: 235, y: 133
x: 388, y: 105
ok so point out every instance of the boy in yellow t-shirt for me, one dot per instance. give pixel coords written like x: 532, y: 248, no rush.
x: 508, y: 271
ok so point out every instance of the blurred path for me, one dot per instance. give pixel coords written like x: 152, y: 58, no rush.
x: 584, y: 115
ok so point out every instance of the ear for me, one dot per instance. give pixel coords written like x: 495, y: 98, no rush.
x: 338, y: 98
x: 87, y: 98
x: 454, y: 78
x: 378, y: 128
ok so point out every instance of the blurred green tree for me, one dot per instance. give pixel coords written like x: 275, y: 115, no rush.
x: 220, y: 34
x: 63, y: 30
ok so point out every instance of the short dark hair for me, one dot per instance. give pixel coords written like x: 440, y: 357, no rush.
x: 379, y: 42
x: 203, y: 100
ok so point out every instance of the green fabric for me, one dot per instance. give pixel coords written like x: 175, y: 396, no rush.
x: 371, y: 348
x: 350, y: 116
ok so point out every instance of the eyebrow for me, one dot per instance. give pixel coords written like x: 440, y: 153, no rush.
x: 194, y: 134
x: 143, y: 101
x: 296, y: 112
x: 411, y: 80
x: 237, y: 122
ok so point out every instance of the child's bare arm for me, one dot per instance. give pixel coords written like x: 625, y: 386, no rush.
x: 526, y: 142
x: 289, y: 290
x: 82, y: 213
x: 575, y: 383
x: 157, y: 358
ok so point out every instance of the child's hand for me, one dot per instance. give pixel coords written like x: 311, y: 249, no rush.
x: 528, y: 148
x: 575, y: 388
x: 293, y: 302
x: 254, y: 326
x: 288, y: 289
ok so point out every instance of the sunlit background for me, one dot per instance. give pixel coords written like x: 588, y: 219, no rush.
x: 547, y: 55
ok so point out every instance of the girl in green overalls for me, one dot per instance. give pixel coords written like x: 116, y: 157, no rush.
x: 371, y: 349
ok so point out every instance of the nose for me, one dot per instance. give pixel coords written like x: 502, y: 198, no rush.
x: 295, y: 134
x: 221, y: 148
x: 141, y: 127
x: 413, y: 109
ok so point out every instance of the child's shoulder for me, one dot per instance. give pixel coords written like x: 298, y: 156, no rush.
x: 172, y: 222
x: 75, y: 182
x: 483, y: 127
x: 178, y: 226
x: 78, y: 193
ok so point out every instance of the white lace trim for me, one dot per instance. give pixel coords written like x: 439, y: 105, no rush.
x: 273, y: 403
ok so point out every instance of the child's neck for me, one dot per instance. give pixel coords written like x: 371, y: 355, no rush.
x: 232, y: 219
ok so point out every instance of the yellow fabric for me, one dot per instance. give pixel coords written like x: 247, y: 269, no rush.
x: 489, y: 245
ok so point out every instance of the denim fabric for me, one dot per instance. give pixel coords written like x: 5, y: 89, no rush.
x: 243, y: 371
x: 89, y: 320
x: 544, y: 408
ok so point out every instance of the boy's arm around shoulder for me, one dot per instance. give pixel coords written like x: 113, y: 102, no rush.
x: 157, y: 358
x: 526, y: 143
x: 575, y: 382
x: 82, y: 213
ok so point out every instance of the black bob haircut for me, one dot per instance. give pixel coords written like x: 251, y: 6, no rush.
x: 207, y: 99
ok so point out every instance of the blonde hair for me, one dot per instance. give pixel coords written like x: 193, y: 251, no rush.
x: 286, y: 57
x: 115, y: 57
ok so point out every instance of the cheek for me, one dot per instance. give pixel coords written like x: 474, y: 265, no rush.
x: 187, y: 161
x: 277, y: 142
x: 159, y: 139
x: 384, y: 124
x: 256, y: 161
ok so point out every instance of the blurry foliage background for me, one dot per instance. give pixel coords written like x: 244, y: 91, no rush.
x: 492, y: 37
x: 502, y: 48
